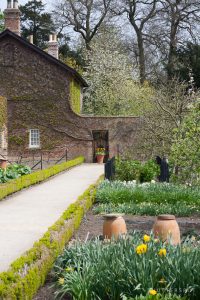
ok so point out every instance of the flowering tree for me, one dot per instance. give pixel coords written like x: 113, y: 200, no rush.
x: 113, y: 85
x: 186, y: 147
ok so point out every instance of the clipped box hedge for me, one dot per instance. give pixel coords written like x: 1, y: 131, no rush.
x: 28, y: 273
x: 25, y: 181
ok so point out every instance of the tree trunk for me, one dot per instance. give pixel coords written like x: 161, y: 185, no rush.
x: 142, y: 66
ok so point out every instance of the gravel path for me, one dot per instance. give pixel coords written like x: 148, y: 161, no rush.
x: 27, y: 215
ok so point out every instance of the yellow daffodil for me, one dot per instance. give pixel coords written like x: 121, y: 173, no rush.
x: 61, y: 281
x: 69, y: 269
x: 141, y: 249
x: 146, y: 238
x: 162, y: 252
x: 152, y: 292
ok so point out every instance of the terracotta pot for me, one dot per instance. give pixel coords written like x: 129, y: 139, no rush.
x: 166, y: 228
x: 100, y: 158
x: 114, y: 225
x: 3, y: 163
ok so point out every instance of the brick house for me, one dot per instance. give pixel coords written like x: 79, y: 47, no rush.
x: 44, y: 99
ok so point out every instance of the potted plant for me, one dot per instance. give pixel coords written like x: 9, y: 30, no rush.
x: 100, y: 153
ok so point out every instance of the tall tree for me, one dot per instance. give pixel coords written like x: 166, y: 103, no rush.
x: 139, y: 14
x: 169, y: 105
x: 36, y: 22
x: 1, y: 21
x: 84, y: 16
x: 180, y: 19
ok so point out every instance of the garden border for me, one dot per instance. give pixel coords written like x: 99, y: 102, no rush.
x: 28, y: 273
x: 25, y: 181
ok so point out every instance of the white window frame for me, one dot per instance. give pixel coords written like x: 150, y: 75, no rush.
x: 34, y: 138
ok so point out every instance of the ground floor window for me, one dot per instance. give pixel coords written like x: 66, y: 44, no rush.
x: 34, y: 138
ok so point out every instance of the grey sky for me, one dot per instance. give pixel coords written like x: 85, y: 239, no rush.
x: 3, y: 3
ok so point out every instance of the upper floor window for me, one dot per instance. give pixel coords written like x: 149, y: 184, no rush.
x: 34, y: 138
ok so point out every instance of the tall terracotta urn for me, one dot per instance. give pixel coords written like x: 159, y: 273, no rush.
x: 113, y: 226
x: 166, y: 228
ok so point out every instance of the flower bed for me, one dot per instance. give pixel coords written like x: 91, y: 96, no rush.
x: 36, y: 177
x: 129, y: 268
x: 147, y: 198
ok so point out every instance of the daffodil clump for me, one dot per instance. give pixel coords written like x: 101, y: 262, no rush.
x: 129, y: 268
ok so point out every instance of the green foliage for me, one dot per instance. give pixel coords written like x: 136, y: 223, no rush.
x: 13, y: 172
x: 185, y: 152
x: 29, y: 272
x: 1, y: 22
x: 75, y: 96
x: 156, y: 297
x: 36, y: 177
x: 97, y: 270
x: 188, y: 55
x: 36, y: 22
x: 147, y: 199
x: 128, y: 170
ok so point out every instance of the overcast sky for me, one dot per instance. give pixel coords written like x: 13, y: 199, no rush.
x: 3, y: 3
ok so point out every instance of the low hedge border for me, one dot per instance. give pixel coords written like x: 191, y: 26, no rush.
x: 25, y: 181
x: 28, y: 273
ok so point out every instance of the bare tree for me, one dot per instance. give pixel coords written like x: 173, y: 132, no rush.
x: 169, y: 105
x: 139, y: 13
x: 180, y: 19
x: 85, y: 16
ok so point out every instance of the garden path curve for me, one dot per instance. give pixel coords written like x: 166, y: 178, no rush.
x: 27, y: 215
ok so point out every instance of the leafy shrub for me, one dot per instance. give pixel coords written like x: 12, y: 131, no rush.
x: 128, y: 170
x: 13, y: 172
x: 97, y: 270
x: 148, y: 171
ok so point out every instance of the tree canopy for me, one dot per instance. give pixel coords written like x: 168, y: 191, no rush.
x: 35, y: 21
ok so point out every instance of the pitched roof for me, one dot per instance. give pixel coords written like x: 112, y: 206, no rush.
x: 49, y: 57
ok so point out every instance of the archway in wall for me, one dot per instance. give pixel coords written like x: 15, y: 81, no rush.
x: 100, y: 140
x: 3, y: 126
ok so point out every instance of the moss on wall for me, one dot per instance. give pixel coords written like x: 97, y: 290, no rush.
x: 75, y: 96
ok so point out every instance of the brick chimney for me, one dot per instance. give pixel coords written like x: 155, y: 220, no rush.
x: 12, y: 16
x: 53, y: 45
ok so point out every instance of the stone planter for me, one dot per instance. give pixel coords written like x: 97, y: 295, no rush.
x: 100, y: 158
x: 114, y: 226
x: 166, y: 228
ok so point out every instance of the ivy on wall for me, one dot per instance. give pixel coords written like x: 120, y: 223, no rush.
x: 75, y: 96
